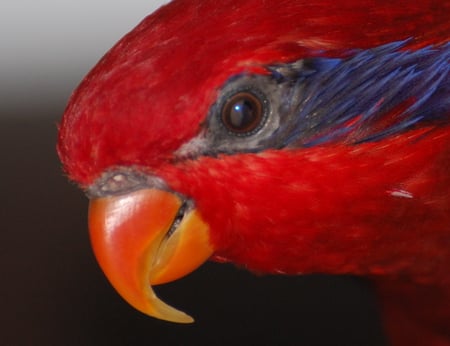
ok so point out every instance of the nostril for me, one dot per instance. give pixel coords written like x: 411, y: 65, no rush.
x: 116, y: 183
x: 123, y: 180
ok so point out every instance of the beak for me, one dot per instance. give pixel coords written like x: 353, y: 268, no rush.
x: 147, y: 237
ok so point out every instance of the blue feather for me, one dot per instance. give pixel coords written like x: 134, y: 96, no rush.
x: 364, y: 90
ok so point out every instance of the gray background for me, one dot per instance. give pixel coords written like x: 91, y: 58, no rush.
x: 47, y: 46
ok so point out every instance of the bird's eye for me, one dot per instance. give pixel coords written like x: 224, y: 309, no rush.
x: 243, y: 113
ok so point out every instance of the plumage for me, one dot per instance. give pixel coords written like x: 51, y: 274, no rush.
x: 347, y: 169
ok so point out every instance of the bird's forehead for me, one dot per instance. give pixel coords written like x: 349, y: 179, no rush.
x: 150, y: 93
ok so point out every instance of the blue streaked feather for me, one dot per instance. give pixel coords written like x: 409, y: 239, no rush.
x: 363, y: 90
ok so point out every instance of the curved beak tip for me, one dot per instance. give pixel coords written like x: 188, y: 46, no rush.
x: 137, y: 244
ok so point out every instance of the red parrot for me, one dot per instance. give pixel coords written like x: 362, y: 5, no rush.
x: 286, y: 137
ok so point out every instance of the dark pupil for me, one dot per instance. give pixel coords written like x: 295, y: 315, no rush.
x: 242, y: 113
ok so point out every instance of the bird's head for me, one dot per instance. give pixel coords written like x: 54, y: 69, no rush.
x: 227, y: 129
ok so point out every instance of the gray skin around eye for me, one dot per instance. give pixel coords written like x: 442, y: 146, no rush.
x: 215, y: 138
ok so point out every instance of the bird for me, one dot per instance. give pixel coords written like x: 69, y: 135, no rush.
x: 286, y: 137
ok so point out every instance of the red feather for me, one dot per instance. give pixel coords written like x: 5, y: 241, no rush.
x: 379, y: 209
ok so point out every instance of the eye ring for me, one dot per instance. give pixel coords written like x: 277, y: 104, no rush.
x: 243, y: 113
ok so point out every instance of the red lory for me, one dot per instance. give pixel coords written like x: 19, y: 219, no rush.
x: 287, y: 137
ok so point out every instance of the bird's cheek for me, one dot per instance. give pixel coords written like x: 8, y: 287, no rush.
x: 143, y: 238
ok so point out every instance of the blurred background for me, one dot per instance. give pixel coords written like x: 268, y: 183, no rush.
x: 52, y: 291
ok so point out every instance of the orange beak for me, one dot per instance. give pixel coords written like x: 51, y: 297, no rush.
x: 146, y: 238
